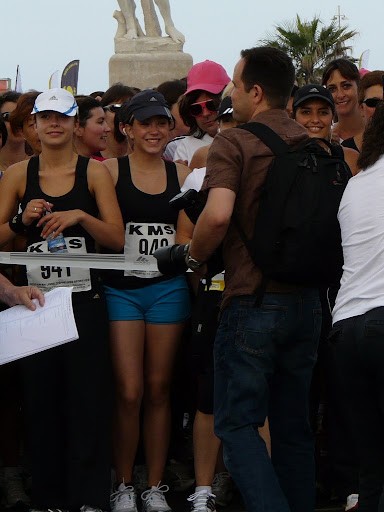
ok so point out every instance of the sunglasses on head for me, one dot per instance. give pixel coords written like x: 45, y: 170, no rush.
x: 5, y: 116
x: 112, y: 108
x: 197, y: 109
x: 372, y: 102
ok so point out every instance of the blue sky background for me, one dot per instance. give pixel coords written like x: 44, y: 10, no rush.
x: 44, y: 35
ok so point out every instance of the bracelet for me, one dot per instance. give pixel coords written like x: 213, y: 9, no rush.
x: 16, y: 224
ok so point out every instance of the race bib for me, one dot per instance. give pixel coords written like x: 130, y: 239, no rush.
x: 48, y: 277
x: 141, y: 241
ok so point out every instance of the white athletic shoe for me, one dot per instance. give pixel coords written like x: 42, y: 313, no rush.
x: 352, y: 502
x: 124, y: 499
x: 153, y: 499
x: 202, y: 501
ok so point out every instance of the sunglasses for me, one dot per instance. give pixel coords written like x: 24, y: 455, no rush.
x: 5, y: 116
x: 372, y: 102
x: 112, y: 108
x: 197, y: 109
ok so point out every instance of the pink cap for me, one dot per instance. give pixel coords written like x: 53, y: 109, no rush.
x: 207, y: 76
x: 363, y: 71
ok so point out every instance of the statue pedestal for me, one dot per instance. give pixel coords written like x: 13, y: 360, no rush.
x: 148, y: 61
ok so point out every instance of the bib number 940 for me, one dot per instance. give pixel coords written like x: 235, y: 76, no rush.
x: 148, y: 247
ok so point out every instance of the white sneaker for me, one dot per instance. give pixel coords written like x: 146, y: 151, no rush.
x: 153, y: 499
x: 222, y: 488
x: 352, y: 502
x: 124, y: 499
x: 54, y: 509
x: 202, y: 501
x: 13, y: 488
x: 84, y: 508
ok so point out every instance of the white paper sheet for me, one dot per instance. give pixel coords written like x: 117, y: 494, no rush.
x: 24, y: 332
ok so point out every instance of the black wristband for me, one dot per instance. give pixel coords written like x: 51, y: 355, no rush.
x: 16, y: 223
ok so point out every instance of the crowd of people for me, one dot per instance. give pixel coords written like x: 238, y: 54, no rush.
x: 272, y: 374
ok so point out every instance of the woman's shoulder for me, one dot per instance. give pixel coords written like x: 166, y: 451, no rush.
x: 95, y: 166
x: 14, y: 179
x: 16, y: 171
x: 98, y: 174
x: 112, y: 164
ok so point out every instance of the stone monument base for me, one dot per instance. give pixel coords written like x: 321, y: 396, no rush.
x: 147, y: 62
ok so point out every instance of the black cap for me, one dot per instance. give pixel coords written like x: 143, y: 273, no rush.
x: 146, y: 104
x: 225, y: 108
x: 310, y: 91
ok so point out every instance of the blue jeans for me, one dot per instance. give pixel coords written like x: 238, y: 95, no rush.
x: 264, y: 358
x: 357, y: 358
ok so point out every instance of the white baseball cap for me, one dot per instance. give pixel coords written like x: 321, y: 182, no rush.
x: 58, y: 100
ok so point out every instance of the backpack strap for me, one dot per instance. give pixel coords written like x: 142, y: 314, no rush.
x: 270, y: 138
x: 334, y: 149
x: 278, y: 147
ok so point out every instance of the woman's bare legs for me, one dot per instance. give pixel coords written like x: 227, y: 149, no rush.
x: 205, y: 448
x: 127, y: 348
x: 161, y: 345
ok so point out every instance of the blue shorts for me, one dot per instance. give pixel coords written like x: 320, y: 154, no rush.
x: 166, y: 302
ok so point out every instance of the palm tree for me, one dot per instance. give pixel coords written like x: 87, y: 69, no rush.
x: 311, y: 45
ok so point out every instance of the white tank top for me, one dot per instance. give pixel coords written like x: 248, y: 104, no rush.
x: 361, y: 217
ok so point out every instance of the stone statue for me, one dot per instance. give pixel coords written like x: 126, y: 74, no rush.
x: 146, y: 59
x: 129, y: 26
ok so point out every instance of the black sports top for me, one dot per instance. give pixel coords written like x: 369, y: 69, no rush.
x: 138, y: 206
x: 350, y: 143
x: 79, y: 197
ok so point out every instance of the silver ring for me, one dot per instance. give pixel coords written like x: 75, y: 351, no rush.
x: 35, y: 209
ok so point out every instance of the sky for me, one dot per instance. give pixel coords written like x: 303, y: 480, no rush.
x: 42, y: 36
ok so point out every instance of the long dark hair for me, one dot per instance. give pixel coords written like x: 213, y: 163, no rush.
x: 86, y: 104
x: 373, y: 139
x: 185, y: 102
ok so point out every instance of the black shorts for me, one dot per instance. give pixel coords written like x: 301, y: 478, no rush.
x: 205, y: 313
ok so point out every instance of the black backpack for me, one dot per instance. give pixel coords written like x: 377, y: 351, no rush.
x: 297, y: 236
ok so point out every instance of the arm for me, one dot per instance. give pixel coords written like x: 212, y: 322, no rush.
x: 108, y: 230
x: 199, y: 158
x: 182, y: 172
x: 12, y: 186
x: 184, y: 229
x: 222, y: 179
x: 13, y: 295
x: 213, y: 223
x: 113, y: 167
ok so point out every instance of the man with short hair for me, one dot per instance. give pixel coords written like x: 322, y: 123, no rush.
x: 264, y: 353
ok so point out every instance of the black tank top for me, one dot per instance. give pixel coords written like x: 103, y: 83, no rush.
x: 79, y: 197
x: 138, y: 206
x: 350, y: 143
